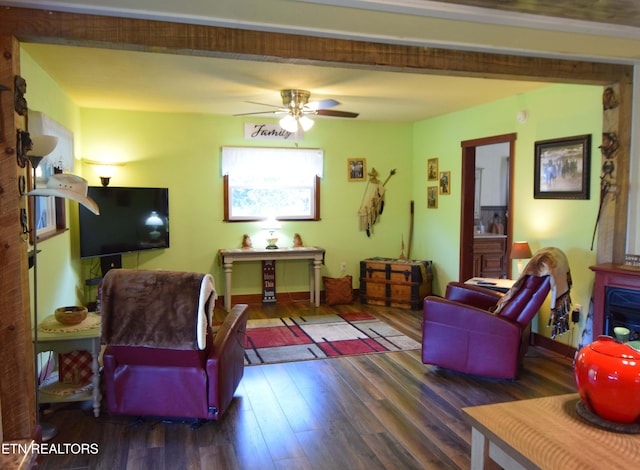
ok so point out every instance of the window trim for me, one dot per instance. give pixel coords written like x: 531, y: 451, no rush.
x: 60, y: 214
x: 236, y: 158
x: 315, y: 217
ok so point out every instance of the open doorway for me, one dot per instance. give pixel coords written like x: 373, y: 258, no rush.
x: 486, y: 226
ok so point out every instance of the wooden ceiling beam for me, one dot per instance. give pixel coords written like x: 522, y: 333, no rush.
x: 43, y: 26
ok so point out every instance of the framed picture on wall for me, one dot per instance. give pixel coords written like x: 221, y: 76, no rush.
x: 432, y: 169
x: 444, y: 182
x: 562, y: 168
x: 432, y: 197
x: 356, y: 169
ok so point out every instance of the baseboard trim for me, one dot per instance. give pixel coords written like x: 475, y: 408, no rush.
x: 257, y: 298
x: 551, y: 345
x: 281, y: 297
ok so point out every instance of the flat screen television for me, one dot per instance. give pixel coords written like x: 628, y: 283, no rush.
x: 130, y: 220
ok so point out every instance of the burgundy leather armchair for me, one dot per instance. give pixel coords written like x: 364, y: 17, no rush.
x: 145, y: 381
x: 460, y: 332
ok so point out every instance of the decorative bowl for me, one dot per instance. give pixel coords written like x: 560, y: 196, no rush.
x: 71, y: 315
x: 607, y: 374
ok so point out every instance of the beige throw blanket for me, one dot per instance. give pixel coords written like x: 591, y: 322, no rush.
x: 552, y: 262
x: 162, y: 309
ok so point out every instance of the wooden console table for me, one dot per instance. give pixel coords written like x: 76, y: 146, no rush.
x: 545, y: 433
x: 314, y: 254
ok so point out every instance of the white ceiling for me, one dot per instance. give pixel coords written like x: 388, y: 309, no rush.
x: 104, y: 78
x: 163, y: 82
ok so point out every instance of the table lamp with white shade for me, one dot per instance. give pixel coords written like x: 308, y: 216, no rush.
x: 271, y: 224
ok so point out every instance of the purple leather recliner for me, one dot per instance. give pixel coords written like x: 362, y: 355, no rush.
x: 460, y: 332
x: 163, y: 382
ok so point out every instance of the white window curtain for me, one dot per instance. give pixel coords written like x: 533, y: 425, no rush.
x: 251, y: 164
x: 62, y: 156
x: 278, y: 182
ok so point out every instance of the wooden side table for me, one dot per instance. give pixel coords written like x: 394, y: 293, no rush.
x: 545, y: 433
x: 66, y: 341
x: 499, y: 285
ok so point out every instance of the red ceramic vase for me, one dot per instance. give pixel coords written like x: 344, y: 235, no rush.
x: 608, y: 377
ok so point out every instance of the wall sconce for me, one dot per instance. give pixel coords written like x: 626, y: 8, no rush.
x: 105, y: 170
x: 520, y: 251
x: 271, y: 225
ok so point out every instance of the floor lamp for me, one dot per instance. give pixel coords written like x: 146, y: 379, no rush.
x: 59, y: 185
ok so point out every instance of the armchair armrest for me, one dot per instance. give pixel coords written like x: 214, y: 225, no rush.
x: 472, y: 295
x: 225, y: 362
x: 467, y: 317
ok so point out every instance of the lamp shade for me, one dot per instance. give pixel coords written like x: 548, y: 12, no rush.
x: 520, y: 250
x: 305, y: 122
x: 289, y: 123
x: 271, y: 223
x: 42, y: 145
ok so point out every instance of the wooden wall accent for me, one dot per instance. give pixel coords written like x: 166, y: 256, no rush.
x: 17, y: 376
x: 614, y: 201
x: 45, y: 26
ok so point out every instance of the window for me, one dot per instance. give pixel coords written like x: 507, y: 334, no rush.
x: 50, y: 211
x: 50, y: 215
x: 278, y: 182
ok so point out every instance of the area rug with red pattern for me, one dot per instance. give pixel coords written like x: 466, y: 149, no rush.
x: 292, y: 339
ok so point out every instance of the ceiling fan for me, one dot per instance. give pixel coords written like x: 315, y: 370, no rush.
x: 296, y: 109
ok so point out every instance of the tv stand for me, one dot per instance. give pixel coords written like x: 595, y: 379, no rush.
x: 109, y: 262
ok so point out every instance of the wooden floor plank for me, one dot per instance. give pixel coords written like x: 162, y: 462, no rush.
x: 277, y: 432
x: 380, y: 411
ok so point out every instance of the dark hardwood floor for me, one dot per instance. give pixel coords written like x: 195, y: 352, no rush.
x: 359, y: 412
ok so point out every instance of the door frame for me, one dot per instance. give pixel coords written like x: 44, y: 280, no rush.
x: 468, y: 197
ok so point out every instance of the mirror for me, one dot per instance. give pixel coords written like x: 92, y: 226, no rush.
x: 491, y: 203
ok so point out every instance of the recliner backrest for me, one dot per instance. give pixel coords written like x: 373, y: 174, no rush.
x: 527, y: 300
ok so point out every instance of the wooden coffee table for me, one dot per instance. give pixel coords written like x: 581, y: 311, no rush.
x: 545, y: 433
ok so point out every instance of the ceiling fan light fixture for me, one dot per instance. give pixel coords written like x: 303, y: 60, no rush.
x: 305, y: 122
x: 289, y: 123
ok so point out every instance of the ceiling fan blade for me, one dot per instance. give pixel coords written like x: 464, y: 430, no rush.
x: 264, y: 104
x: 336, y: 113
x: 322, y: 104
x: 258, y: 112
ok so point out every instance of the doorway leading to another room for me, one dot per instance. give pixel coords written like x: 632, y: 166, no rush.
x: 486, y: 226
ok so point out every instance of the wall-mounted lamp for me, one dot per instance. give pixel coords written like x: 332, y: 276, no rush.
x: 271, y: 225
x: 105, y: 170
x: 520, y: 251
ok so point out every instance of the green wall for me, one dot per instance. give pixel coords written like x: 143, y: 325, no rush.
x: 182, y: 152
x: 554, y: 112
x: 59, y: 281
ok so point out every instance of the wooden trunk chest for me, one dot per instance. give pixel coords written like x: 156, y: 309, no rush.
x: 395, y: 282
